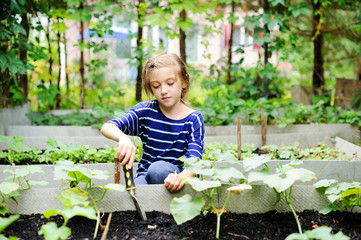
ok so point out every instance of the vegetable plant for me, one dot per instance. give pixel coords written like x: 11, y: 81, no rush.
x: 17, y: 180
x: 321, y: 233
x: 5, y: 222
x: 18, y: 153
x: 208, y: 182
x: 342, y: 195
x: 79, y: 199
x: 16, y: 149
x: 281, y: 181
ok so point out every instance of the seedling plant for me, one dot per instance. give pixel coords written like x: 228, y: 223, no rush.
x: 209, y: 182
x: 320, y: 233
x: 281, y: 181
x: 17, y: 180
x: 342, y: 195
x: 4, y: 223
x: 80, y: 199
x: 17, y: 152
x: 9, y: 190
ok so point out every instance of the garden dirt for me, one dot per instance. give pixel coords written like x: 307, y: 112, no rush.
x: 127, y: 225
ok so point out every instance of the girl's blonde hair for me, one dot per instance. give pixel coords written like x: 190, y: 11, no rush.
x: 169, y: 60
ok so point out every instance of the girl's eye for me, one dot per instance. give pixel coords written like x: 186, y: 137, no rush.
x: 155, y: 86
x: 170, y: 83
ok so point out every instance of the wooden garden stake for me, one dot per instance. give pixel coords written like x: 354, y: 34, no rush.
x: 239, y: 143
x: 116, y: 171
x: 116, y: 181
x: 264, y: 129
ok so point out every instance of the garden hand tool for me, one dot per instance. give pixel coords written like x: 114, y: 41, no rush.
x: 130, y: 187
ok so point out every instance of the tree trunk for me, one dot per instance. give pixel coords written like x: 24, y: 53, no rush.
x: 229, y: 75
x: 23, y: 57
x: 82, y: 79
x: 266, y: 80
x: 139, y: 55
x: 318, y: 80
x: 58, y: 98
x: 66, y: 64
x: 359, y: 70
x: 182, y: 40
x: 49, y: 49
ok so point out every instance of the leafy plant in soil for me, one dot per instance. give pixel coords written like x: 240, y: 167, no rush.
x: 18, y: 153
x: 9, y: 190
x: 321, y: 233
x: 5, y: 222
x: 208, y: 182
x: 17, y: 179
x: 282, y: 181
x: 79, y: 200
x: 342, y: 195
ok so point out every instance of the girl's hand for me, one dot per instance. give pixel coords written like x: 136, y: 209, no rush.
x: 174, y: 182
x: 126, y: 152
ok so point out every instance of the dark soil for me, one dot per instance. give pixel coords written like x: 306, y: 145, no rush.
x: 127, y: 225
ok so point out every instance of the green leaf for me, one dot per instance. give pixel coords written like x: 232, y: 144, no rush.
x: 52, y: 143
x: 52, y: 232
x: 51, y: 212
x: 201, y: 185
x: 254, y: 162
x: 5, y: 222
x: 328, y: 209
x: 87, y: 212
x: 8, y: 187
x: 114, y: 187
x: 38, y: 183
x: 324, y: 183
x: 296, y: 174
x: 4, y: 139
x: 74, y: 196
x: 185, y: 208
x: 3, y: 210
x: 333, y: 197
x: 226, y: 157
x: 259, y: 176
x: 227, y: 173
x: 353, y: 191
x: 323, y: 233
x: 276, y: 2
x: 70, y: 212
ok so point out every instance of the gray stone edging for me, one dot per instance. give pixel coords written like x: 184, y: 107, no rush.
x: 155, y: 197
x: 13, y: 116
x: 341, y: 170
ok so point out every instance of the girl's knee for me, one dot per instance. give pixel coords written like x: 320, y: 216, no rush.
x: 158, y: 171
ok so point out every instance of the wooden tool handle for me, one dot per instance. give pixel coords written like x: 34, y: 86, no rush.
x: 129, y: 180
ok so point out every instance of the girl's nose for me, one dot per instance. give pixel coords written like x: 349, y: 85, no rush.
x: 163, y: 89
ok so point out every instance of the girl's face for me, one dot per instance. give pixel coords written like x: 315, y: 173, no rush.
x: 166, y: 86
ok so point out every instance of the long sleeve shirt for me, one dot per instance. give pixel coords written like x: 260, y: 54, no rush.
x: 163, y: 138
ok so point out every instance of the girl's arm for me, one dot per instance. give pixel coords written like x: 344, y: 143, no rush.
x: 126, y: 149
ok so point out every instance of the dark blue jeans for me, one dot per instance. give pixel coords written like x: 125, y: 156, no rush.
x: 157, y: 172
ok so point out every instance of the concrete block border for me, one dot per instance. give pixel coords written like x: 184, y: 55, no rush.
x: 155, y: 197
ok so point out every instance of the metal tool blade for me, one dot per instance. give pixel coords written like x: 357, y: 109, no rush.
x: 140, y: 211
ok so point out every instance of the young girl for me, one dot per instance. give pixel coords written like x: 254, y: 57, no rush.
x: 167, y: 127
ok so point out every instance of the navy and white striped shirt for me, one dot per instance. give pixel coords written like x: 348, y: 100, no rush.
x: 163, y: 138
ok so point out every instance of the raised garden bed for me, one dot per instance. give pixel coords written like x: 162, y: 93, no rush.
x: 254, y: 203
